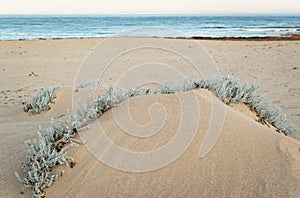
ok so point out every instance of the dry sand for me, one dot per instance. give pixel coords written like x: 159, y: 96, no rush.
x: 249, y: 159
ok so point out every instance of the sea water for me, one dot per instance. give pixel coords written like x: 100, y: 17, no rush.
x: 16, y: 27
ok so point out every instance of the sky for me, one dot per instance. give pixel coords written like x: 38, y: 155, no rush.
x: 147, y: 6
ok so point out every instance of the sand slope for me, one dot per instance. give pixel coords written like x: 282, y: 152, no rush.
x: 249, y: 159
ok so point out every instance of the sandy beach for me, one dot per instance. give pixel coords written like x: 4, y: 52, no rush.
x: 249, y: 159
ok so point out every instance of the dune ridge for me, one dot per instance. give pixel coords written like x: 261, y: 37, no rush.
x: 56, y: 138
x: 249, y: 159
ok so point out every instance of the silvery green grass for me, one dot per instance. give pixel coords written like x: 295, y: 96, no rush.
x: 49, y: 150
x: 41, y: 100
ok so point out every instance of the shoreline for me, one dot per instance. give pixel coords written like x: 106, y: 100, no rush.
x: 293, y: 37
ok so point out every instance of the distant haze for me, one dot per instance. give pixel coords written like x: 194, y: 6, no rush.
x: 148, y: 6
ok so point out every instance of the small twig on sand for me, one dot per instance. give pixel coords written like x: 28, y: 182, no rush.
x: 32, y: 73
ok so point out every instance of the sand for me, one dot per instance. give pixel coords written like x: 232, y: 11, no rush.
x: 249, y: 159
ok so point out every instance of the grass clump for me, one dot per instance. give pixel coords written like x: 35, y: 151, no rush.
x: 49, y: 149
x: 41, y: 100
x: 46, y: 152
x: 232, y: 91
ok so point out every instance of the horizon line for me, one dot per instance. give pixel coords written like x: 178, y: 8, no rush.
x: 183, y: 13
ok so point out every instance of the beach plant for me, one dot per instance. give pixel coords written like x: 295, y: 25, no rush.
x: 167, y: 89
x: 41, y: 100
x: 49, y: 149
x: 97, y: 105
x: 232, y: 91
x: 46, y: 152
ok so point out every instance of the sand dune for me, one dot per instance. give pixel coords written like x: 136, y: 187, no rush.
x: 249, y: 159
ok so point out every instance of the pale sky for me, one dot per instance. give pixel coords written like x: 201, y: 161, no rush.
x: 147, y: 6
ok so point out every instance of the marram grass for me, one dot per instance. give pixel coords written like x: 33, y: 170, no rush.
x: 49, y: 150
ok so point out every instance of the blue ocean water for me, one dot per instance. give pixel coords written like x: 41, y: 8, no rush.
x: 14, y: 27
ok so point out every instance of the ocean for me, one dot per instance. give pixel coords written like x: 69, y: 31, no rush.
x: 29, y: 27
